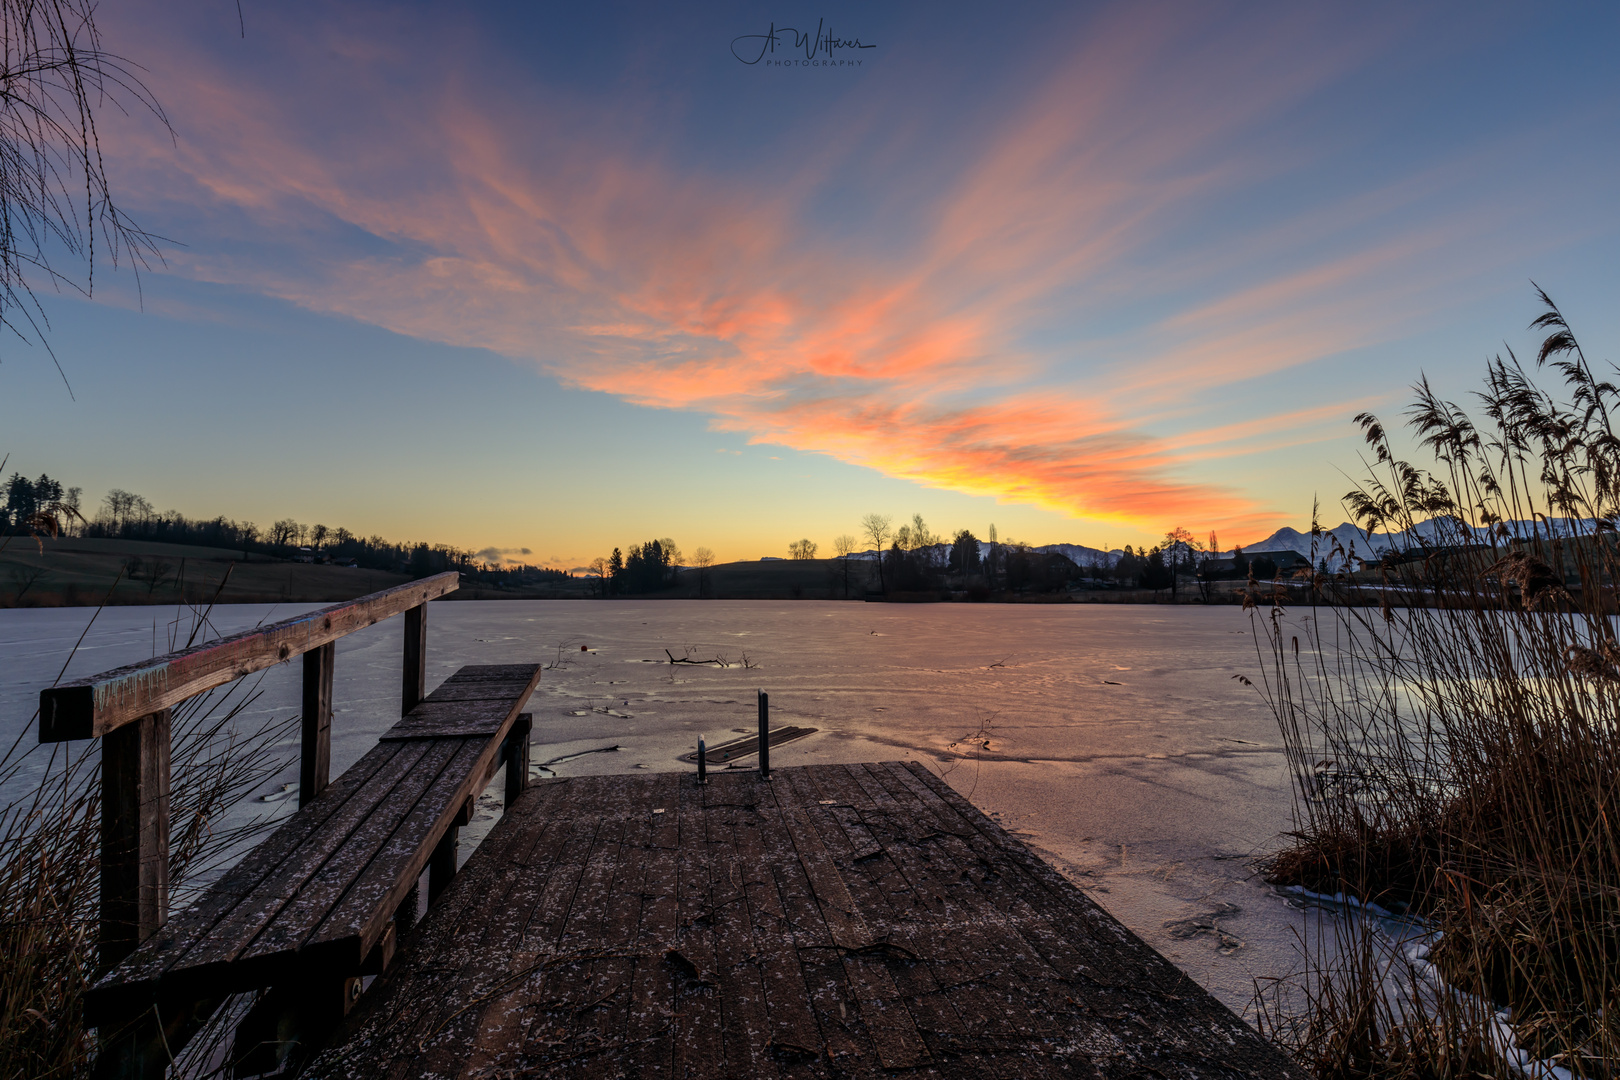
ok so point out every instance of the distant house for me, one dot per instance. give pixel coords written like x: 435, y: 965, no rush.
x: 771, y: 558
x: 1286, y: 563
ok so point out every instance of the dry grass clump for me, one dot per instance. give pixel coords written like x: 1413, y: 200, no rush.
x: 50, y: 843
x: 1456, y: 747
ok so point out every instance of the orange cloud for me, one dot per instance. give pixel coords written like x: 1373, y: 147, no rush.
x: 542, y: 235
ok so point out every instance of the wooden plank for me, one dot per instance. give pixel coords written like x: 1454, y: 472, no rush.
x: 737, y: 749
x: 91, y: 707
x: 498, y: 672
x: 481, y: 690
x: 745, y: 1028
x: 298, y: 877
x: 453, y: 720
x: 699, y: 1050
x: 361, y: 916
x: 650, y: 1014
x: 138, y: 974
x: 134, y: 836
x: 315, y: 746
x: 478, y: 932
x: 878, y: 892
x: 296, y: 922
x: 413, y: 672
x: 468, y: 718
x: 762, y: 844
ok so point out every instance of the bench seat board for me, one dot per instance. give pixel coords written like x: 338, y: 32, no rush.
x: 451, y: 719
x: 498, y: 672
x: 319, y: 891
x: 482, y: 690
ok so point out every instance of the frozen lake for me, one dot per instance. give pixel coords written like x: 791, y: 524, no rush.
x: 1119, y: 745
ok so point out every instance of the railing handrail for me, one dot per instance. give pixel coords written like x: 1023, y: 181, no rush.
x: 91, y: 707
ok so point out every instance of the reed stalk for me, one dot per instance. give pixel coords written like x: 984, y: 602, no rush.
x: 49, y: 846
x: 1452, y: 722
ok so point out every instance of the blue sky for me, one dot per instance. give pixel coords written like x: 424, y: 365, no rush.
x: 526, y: 276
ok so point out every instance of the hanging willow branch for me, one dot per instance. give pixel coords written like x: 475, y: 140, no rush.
x: 55, y: 198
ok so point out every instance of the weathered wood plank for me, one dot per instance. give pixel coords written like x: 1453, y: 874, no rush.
x: 745, y: 1030
x: 477, y: 690
x: 469, y: 673
x: 737, y: 749
x: 451, y: 720
x: 233, y: 935
x: 358, y: 920
x: 699, y: 1050
x: 793, y: 1034
x: 295, y: 918
x: 469, y: 718
x: 91, y: 707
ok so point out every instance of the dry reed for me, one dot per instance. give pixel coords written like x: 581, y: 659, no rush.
x: 50, y: 841
x: 1455, y: 743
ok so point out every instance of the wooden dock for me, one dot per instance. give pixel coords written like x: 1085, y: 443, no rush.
x: 858, y: 920
x: 834, y: 920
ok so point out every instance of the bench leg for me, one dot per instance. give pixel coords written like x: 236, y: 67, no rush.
x: 141, y: 1047
x: 442, y: 864
x: 289, y: 1024
x: 517, y: 757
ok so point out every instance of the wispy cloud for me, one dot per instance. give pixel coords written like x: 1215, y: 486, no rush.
x: 939, y: 353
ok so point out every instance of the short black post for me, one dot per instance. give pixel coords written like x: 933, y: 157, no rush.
x: 764, y: 735
x: 703, y: 762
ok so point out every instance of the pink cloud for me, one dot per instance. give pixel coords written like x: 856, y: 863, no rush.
x: 544, y: 236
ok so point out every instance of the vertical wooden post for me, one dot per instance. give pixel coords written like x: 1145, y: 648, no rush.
x: 442, y: 864
x: 415, y: 688
x: 315, y: 756
x: 517, y: 757
x: 764, y: 735
x: 134, y: 835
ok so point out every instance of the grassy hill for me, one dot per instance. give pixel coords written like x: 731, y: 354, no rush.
x: 72, y: 571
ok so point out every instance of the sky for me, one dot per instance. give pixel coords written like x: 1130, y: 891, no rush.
x: 570, y: 277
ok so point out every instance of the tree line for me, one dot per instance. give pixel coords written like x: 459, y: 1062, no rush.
x: 45, y: 507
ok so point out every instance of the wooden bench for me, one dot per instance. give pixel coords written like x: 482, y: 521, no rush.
x: 318, y: 904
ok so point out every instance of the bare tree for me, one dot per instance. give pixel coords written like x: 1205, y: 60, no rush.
x: 1178, y: 550
x: 845, y: 546
x: 702, y: 558
x: 54, y: 192
x: 802, y: 549
x: 875, y: 527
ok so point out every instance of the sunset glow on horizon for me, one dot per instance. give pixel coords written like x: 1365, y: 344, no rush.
x: 1091, y: 273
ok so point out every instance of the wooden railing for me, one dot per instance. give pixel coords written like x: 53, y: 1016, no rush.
x: 129, y: 709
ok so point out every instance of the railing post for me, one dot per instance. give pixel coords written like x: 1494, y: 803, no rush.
x: 415, y: 685
x: 134, y: 835
x: 764, y: 735
x: 315, y: 753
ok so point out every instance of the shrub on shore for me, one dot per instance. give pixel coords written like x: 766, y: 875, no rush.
x: 1456, y: 748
